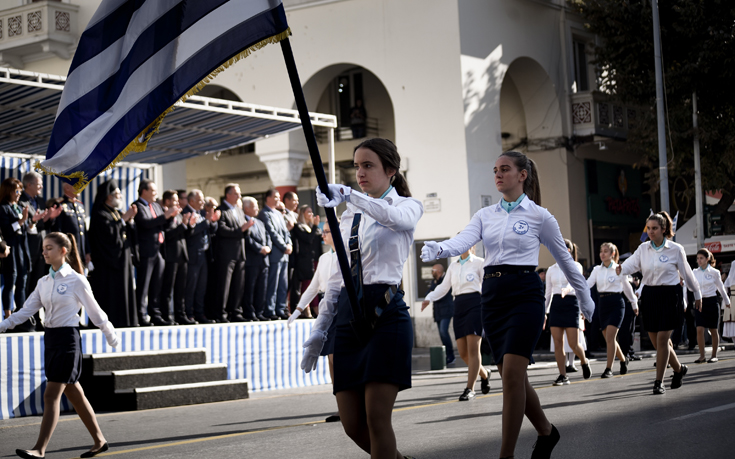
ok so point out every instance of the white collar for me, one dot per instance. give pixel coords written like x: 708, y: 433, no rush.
x: 65, y: 270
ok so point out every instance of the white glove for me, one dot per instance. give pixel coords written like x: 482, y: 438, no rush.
x: 3, y: 326
x: 312, y: 349
x: 294, y: 315
x: 339, y: 195
x: 110, y: 335
x: 565, y: 291
x: 430, y: 251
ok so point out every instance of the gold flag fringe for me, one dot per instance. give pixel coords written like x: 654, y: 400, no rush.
x: 141, y: 140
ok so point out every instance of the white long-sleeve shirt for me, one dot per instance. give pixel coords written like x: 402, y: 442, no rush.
x: 62, y: 297
x: 460, y: 278
x: 608, y: 281
x: 514, y: 238
x: 556, y: 281
x: 730, y: 281
x: 710, y: 283
x: 386, y: 237
x: 326, y: 264
x: 662, y: 267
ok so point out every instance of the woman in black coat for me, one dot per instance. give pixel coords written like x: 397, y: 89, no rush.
x: 307, y: 239
x: 110, y: 241
x: 14, y: 226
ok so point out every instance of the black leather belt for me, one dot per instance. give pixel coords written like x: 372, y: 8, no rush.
x: 492, y: 271
x: 603, y: 295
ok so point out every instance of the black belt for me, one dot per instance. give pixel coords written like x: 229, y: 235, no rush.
x: 497, y: 271
x: 603, y: 295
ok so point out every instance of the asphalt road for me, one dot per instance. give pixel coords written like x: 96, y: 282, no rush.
x: 597, y: 418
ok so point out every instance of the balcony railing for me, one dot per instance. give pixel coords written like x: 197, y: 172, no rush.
x: 594, y: 114
x: 37, y: 31
x: 342, y: 133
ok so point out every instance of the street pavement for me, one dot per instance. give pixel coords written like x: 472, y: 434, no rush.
x: 597, y: 418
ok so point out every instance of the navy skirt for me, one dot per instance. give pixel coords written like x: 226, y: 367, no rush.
x: 62, y: 354
x: 564, y: 312
x: 386, y: 357
x: 513, y: 311
x: 328, y: 347
x: 467, y: 315
x: 612, y: 310
x: 662, y: 307
x: 710, y: 315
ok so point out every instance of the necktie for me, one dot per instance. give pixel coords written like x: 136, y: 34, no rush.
x: 160, y: 233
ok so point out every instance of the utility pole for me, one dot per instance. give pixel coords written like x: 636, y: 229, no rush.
x: 697, y: 177
x: 662, y: 161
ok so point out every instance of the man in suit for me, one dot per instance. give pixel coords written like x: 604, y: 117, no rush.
x: 257, y: 249
x: 176, y: 258
x: 150, y: 223
x: 229, y: 257
x: 198, y: 243
x: 281, y: 248
x: 71, y: 220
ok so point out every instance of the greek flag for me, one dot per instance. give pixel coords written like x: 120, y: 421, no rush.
x: 135, y: 60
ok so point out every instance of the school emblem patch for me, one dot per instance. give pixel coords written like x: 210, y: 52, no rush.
x: 61, y: 289
x: 520, y: 227
x: 663, y: 258
x: 470, y: 277
x: 611, y: 279
x: 708, y: 276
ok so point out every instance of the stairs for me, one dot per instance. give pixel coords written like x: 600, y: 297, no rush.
x: 129, y: 381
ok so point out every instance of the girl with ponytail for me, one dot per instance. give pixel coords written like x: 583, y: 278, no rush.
x: 70, y: 291
x: 512, y: 293
x: 708, y: 315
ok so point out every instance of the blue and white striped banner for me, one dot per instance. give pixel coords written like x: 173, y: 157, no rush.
x: 135, y: 60
x: 268, y: 355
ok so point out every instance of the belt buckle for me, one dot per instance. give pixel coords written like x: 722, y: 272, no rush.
x: 495, y: 274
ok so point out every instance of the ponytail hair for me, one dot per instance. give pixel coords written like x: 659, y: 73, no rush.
x: 531, y: 185
x: 708, y: 255
x: 390, y: 159
x: 69, y: 242
x: 665, y: 222
x: 613, y: 249
x: 572, y: 247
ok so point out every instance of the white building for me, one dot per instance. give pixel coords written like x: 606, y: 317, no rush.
x: 453, y: 83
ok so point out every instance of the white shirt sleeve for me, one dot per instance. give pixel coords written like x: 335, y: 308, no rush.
x: 632, y: 264
x: 442, y: 289
x: 721, y: 288
x: 403, y: 216
x: 592, y: 280
x: 468, y: 237
x: 30, y: 307
x: 548, y: 293
x: 328, y: 304
x: 686, y: 272
x: 313, y: 289
x: 629, y: 293
x: 96, y: 314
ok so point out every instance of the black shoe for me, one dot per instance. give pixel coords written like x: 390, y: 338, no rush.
x: 658, y: 388
x: 183, y: 320
x: 450, y: 361
x: 624, y: 367
x: 572, y: 369
x: 713, y: 360
x: 333, y: 418
x: 160, y: 321
x: 204, y: 320
x: 282, y: 315
x: 467, y: 395
x: 562, y: 380
x: 274, y: 317
x: 26, y: 455
x: 485, y: 384
x: 222, y: 320
x: 633, y: 358
x: 261, y: 318
x: 91, y: 453
x: 676, y: 383
x: 586, y: 370
x: 144, y: 323
x: 545, y: 444
x: 238, y: 318
x: 607, y: 373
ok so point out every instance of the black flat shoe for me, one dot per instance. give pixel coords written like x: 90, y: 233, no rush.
x: 676, y: 382
x: 545, y: 444
x: 624, y: 367
x: 91, y: 453
x: 586, y: 370
x: 333, y: 418
x: 485, y: 385
x: 26, y: 455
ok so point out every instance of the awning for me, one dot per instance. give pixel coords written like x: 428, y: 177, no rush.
x: 199, y: 126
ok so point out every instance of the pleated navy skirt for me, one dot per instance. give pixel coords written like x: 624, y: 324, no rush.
x: 62, y: 354
x: 467, y: 318
x: 612, y: 310
x: 386, y: 357
x: 564, y: 312
x: 662, y: 307
x: 710, y: 315
x: 513, y: 311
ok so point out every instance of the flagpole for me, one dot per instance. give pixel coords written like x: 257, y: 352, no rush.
x: 321, y: 178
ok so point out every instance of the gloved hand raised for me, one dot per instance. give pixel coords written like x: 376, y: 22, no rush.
x: 339, y: 195
x: 430, y: 251
x: 312, y: 349
x: 294, y: 315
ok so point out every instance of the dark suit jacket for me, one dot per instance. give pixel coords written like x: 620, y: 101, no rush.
x: 198, y: 237
x: 175, y: 232
x: 443, y: 308
x: 35, y: 241
x: 255, y: 239
x: 276, y: 228
x: 230, y: 237
x: 17, y: 240
x: 147, y: 228
x: 71, y: 220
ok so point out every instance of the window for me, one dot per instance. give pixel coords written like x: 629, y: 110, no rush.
x: 581, y: 70
x: 349, y: 89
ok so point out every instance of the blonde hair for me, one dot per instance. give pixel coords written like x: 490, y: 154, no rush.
x: 613, y: 248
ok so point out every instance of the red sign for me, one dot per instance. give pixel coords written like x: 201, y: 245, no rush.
x: 714, y: 247
x: 625, y: 206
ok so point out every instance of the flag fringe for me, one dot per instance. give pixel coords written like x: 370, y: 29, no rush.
x: 141, y: 140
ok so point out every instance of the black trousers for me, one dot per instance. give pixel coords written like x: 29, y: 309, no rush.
x: 174, y: 288
x: 626, y: 335
x: 230, y: 283
x: 196, y: 287
x: 256, y: 284
x: 148, y: 286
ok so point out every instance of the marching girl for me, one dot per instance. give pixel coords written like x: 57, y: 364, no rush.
x: 563, y: 316
x: 662, y: 261
x: 512, y: 293
x: 708, y: 314
x: 464, y: 278
x: 326, y: 265
x: 62, y: 293
x: 728, y: 313
x: 369, y: 372
x: 611, y: 288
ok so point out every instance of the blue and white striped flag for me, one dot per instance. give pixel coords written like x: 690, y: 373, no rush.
x: 134, y: 61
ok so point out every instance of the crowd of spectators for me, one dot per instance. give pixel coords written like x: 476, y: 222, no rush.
x: 176, y: 259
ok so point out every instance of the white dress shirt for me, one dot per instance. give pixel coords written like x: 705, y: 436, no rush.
x: 460, y: 278
x: 662, y: 267
x: 386, y: 237
x: 710, y: 283
x: 62, y: 297
x: 730, y: 281
x: 514, y: 239
x: 608, y: 281
x: 556, y: 281
x: 324, y: 268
